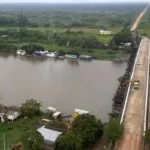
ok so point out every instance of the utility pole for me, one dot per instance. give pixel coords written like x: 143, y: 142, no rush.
x: 4, y: 141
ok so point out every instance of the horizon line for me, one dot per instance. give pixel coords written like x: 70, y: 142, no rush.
x: 72, y: 2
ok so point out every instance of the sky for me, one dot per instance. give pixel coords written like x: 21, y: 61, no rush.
x: 70, y: 1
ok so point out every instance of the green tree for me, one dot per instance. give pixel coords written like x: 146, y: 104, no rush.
x: 68, y: 141
x: 32, y: 140
x: 124, y: 36
x: 30, y: 108
x: 22, y: 20
x: 31, y: 47
x: 113, y: 131
x: 89, y: 128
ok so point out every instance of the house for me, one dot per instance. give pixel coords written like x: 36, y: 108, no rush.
x: 12, y: 115
x: 50, y: 136
x: 78, y: 112
x: 105, y: 32
x: 57, y: 115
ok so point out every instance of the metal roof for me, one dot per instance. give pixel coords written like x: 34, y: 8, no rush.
x: 48, y: 134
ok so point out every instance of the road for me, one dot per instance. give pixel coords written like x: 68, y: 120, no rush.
x: 134, y: 116
x: 138, y: 19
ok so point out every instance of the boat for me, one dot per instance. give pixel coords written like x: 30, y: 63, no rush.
x: 85, y: 57
x: 52, y: 54
x: 20, y: 52
x: 23, y: 53
x: 40, y: 53
x: 71, y: 56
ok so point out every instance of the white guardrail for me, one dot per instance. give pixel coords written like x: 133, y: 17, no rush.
x: 146, y: 94
x: 129, y: 86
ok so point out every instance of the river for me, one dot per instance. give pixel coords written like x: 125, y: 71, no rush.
x: 64, y: 84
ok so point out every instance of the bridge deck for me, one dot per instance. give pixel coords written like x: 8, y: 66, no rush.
x: 134, y: 115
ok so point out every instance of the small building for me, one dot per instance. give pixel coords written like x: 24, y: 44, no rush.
x: 51, y: 109
x: 50, y: 136
x: 3, y: 36
x: 57, y: 115
x: 128, y: 44
x: 78, y: 112
x: 2, y: 115
x: 105, y: 32
x: 12, y: 115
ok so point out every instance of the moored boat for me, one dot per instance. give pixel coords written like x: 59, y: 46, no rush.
x: 85, y: 57
x: 71, y: 56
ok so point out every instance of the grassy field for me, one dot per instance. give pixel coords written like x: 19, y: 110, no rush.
x: 11, y: 133
x: 85, y: 30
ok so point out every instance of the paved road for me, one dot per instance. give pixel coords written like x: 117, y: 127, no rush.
x: 137, y: 21
x: 134, y: 116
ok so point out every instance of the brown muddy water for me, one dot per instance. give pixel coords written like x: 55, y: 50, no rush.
x: 64, y: 84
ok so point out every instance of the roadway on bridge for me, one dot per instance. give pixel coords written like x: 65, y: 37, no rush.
x: 138, y: 19
x: 134, y: 117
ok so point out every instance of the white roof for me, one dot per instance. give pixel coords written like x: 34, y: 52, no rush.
x: 50, y: 108
x: 81, y: 111
x: 56, y: 114
x: 48, y: 134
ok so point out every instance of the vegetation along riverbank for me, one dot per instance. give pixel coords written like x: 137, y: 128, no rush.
x: 68, y: 32
x: 50, y: 129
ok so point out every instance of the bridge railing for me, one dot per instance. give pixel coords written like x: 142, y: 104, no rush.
x: 146, y: 94
x: 129, y: 86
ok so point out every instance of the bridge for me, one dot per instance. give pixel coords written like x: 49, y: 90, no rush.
x: 134, y: 115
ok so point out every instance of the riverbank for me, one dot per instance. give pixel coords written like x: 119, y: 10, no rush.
x: 63, y: 41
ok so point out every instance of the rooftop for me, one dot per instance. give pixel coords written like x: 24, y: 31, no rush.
x: 48, y: 134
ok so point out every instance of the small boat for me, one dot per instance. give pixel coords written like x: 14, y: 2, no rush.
x: 85, y: 57
x: 40, y: 53
x: 71, y: 56
x: 21, y: 52
x: 52, y: 54
x: 18, y: 52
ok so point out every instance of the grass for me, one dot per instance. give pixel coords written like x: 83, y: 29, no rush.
x: 144, y: 31
x: 104, y: 39
x: 98, y: 53
x: 85, y: 30
x: 107, y: 54
x: 12, y: 132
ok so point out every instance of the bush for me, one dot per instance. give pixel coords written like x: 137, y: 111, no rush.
x: 31, y: 47
x: 113, y: 131
x: 89, y: 128
x: 68, y: 141
x: 30, y: 108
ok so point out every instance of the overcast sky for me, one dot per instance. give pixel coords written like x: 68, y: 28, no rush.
x: 68, y: 1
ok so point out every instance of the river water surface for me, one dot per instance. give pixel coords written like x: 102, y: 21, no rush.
x: 64, y: 84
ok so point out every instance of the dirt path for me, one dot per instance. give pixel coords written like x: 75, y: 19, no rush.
x: 134, y: 116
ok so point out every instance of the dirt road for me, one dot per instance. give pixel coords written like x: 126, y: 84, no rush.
x: 134, y: 116
x: 137, y: 21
